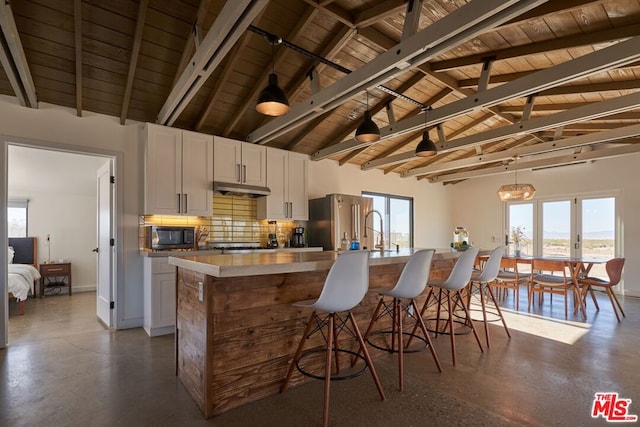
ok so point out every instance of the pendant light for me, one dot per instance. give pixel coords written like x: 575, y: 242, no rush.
x: 426, y: 147
x: 367, y: 131
x: 272, y: 101
x: 516, y: 191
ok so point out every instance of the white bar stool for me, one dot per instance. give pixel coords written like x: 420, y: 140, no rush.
x: 449, y: 289
x: 344, y: 288
x: 411, y: 283
x: 483, y: 280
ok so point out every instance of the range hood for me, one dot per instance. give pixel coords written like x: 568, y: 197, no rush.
x: 236, y: 189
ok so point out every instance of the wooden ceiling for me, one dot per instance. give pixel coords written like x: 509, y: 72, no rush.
x: 551, y: 82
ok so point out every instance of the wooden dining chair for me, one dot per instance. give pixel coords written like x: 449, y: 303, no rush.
x: 510, y: 278
x: 551, y: 277
x: 614, y: 271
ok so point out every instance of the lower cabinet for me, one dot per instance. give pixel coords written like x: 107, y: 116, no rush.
x: 159, y: 296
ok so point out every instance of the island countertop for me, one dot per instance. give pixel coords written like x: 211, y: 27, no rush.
x: 257, y: 264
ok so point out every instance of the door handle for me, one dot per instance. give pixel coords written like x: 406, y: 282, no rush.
x: 244, y: 173
x: 186, y: 209
x: 96, y: 250
x: 238, y: 173
x: 179, y: 211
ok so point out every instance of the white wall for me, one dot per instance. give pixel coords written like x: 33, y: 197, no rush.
x: 433, y: 219
x: 58, y: 127
x: 61, y: 189
x: 476, y: 205
x: 70, y: 220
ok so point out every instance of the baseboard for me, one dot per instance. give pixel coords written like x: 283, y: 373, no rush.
x: 84, y: 288
x: 155, y: 332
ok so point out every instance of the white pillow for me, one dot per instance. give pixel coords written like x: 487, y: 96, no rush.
x: 11, y: 252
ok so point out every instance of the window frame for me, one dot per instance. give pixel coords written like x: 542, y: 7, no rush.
x: 387, y: 214
x: 19, y: 204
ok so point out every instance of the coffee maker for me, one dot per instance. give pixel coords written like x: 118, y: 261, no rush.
x: 298, y: 237
x: 272, y: 240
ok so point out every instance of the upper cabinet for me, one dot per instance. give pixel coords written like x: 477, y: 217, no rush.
x: 287, y: 178
x: 239, y: 162
x: 178, y: 172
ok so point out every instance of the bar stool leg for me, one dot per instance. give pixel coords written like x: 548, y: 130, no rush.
x: 468, y: 316
x: 298, y: 351
x: 398, y: 309
x: 504, y: 323
x: 452, y: 335
x: 327, y: 369
x: 426, y: 334
x: 366, y: 355
x: 484, y: 314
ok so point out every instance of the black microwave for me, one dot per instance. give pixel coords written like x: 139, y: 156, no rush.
x: 166, y: 237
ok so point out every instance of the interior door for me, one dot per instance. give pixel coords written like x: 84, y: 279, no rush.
x: 104, y: 292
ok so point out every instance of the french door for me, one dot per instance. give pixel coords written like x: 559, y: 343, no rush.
x: 584, y: 226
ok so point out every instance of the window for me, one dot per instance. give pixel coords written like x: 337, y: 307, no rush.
x: 583, y: 226
x: 397, y: 218
x: 17, y: 218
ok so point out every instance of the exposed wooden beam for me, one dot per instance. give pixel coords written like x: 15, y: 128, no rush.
x: 190, y: 45
x: 374, y: 109
x: 567, y: 159
x: 381, y: 10
x: 614, y: 135
x: 14, y: 60
x: 551, y: 7
x: 587, y: 112
x: 387, y: 43
x: 611, y: 57
x: 77, y: 36
x: 280, y: 56
x: 610, y: 34
x: 232, y: 21
x: 621, y: 85
x: 233, y: 59
x: 133, y: 61
x: 383, y: 159
x: 469, y: 20
x: 335, y: 11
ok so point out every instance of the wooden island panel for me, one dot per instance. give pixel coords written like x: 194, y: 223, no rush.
x: 236, y: 345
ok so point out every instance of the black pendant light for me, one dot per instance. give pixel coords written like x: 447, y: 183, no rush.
x: 426, y: 147
x: 367, y: 131
x: 272, y: 101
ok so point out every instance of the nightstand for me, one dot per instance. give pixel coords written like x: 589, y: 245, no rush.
x: 55, y: 275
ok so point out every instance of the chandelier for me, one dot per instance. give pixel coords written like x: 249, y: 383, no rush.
x: 516, y: 191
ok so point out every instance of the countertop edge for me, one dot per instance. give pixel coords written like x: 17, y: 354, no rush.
x: 282, y: 262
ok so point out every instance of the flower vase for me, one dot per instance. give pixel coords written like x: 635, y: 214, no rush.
x: 516, y: 248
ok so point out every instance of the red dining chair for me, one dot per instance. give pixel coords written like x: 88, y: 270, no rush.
x: 614, y: 271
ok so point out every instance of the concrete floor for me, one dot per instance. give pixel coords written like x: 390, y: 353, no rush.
x: 63, y: 369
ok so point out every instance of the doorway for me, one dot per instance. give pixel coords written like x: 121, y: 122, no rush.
x: 62, y: 186
x: 585, y: 226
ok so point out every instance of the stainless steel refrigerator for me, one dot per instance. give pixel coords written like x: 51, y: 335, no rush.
x: 335, y: 214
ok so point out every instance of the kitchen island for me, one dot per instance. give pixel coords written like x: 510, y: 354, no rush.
x: 236, y: 329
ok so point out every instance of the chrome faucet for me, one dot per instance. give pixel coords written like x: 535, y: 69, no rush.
x: 380, y: 244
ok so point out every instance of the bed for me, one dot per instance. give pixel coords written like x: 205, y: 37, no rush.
x: 22, y: 270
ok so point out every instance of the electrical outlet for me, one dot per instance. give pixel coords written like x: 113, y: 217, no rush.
x: 200, y: 291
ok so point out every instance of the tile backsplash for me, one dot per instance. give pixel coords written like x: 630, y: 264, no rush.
x: 233, y: 220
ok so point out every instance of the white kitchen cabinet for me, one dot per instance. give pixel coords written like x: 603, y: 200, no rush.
x: 239, y: 162
x: 287, y: 178
x: 159, y: 296
x: 178, y: 172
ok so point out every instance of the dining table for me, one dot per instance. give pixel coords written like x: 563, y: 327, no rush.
x: 578, y: 267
